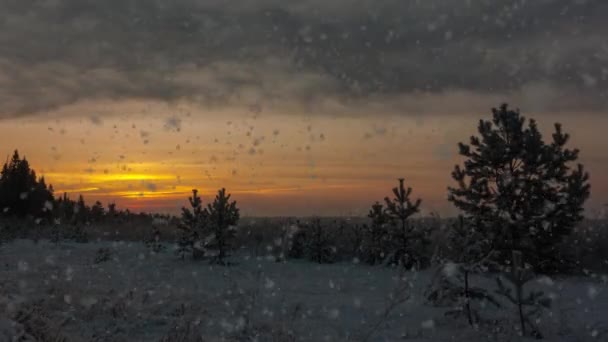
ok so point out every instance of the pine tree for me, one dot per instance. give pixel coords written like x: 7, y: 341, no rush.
x: 404, y: 235
x: 153, y: 242
x: 112, y: 212
x: 297, y: 249
x: 376, y: 242
x: 519, y: 188
x: 223, y: 216
x: 357, y: 237
x: 468, y: 252
x: 65, y: 209
x: 81, y: 211
x: 97, y: 211
x: 21, y: 192
x: 192, y: 225
x: 81, y: 219
x: 320, y: 246
x: 529, y: 305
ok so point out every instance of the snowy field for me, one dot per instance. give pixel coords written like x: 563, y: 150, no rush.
x: 62, y: 291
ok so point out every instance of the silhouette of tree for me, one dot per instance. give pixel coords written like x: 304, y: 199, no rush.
x: 320, y: 245
x: 521, y: 189
x: 21, y: 193
x: 223, y: 216
x: 376, y: 242
x: 468, y: 252
x: 97, y: 211
x: 399, y: 210
x: 81, y: 211
x: 65, y: 209
x: 192, y: 225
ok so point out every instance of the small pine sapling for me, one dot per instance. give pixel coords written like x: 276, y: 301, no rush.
x: 56, y: 233
x: 297, y: 250
x: 376, y: 235
x: 469, y: 252
x: 528, y: 305
x: 284, y: 243
x: 320, y: 246
x: 153, y: 242
x: 79, y: 234
x: 357, y: 240
x: 404, y: 234
x: 223, y: 216
x: 191, y: 226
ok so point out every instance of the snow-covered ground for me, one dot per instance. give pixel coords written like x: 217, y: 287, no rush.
x: 140, y: 296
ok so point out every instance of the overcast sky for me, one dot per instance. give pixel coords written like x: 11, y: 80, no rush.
x: 361, y: 74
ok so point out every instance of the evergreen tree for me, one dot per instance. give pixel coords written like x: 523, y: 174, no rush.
x: 65, y: 209
x: 191, y: 226
x: 320, y: 245
x: 153, y: 242
x: 376, y: 241
x: 81, y: 211
x: 529, y: 304
x: 520, y: 189
x: 41, y: 201
x: 112, y: 212
x: 223, y: 216
x: 97, y: 211
x: 21, y: 193
x: 404, y: 235
x: 468, y: 252
x: 297, y: 250
x: 357, y: 237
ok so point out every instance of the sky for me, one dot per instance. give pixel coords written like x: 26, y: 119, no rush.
x: 303, y: 107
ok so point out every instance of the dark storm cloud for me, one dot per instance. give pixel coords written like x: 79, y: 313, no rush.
x: 549, y: 53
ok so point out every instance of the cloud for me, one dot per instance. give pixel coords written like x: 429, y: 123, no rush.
x: 301, y: 54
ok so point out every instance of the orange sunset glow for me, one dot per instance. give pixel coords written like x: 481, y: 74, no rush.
x: 275, y: 164
x: 295, y: 107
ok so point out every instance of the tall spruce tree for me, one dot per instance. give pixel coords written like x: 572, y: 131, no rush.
x: 522, y: 190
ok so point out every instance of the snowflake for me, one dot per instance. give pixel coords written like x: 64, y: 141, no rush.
x: 592, y: 292
x: 269, y: 284
x: 428, y: 324
x: 334, y: 313
x: 23, y: 266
